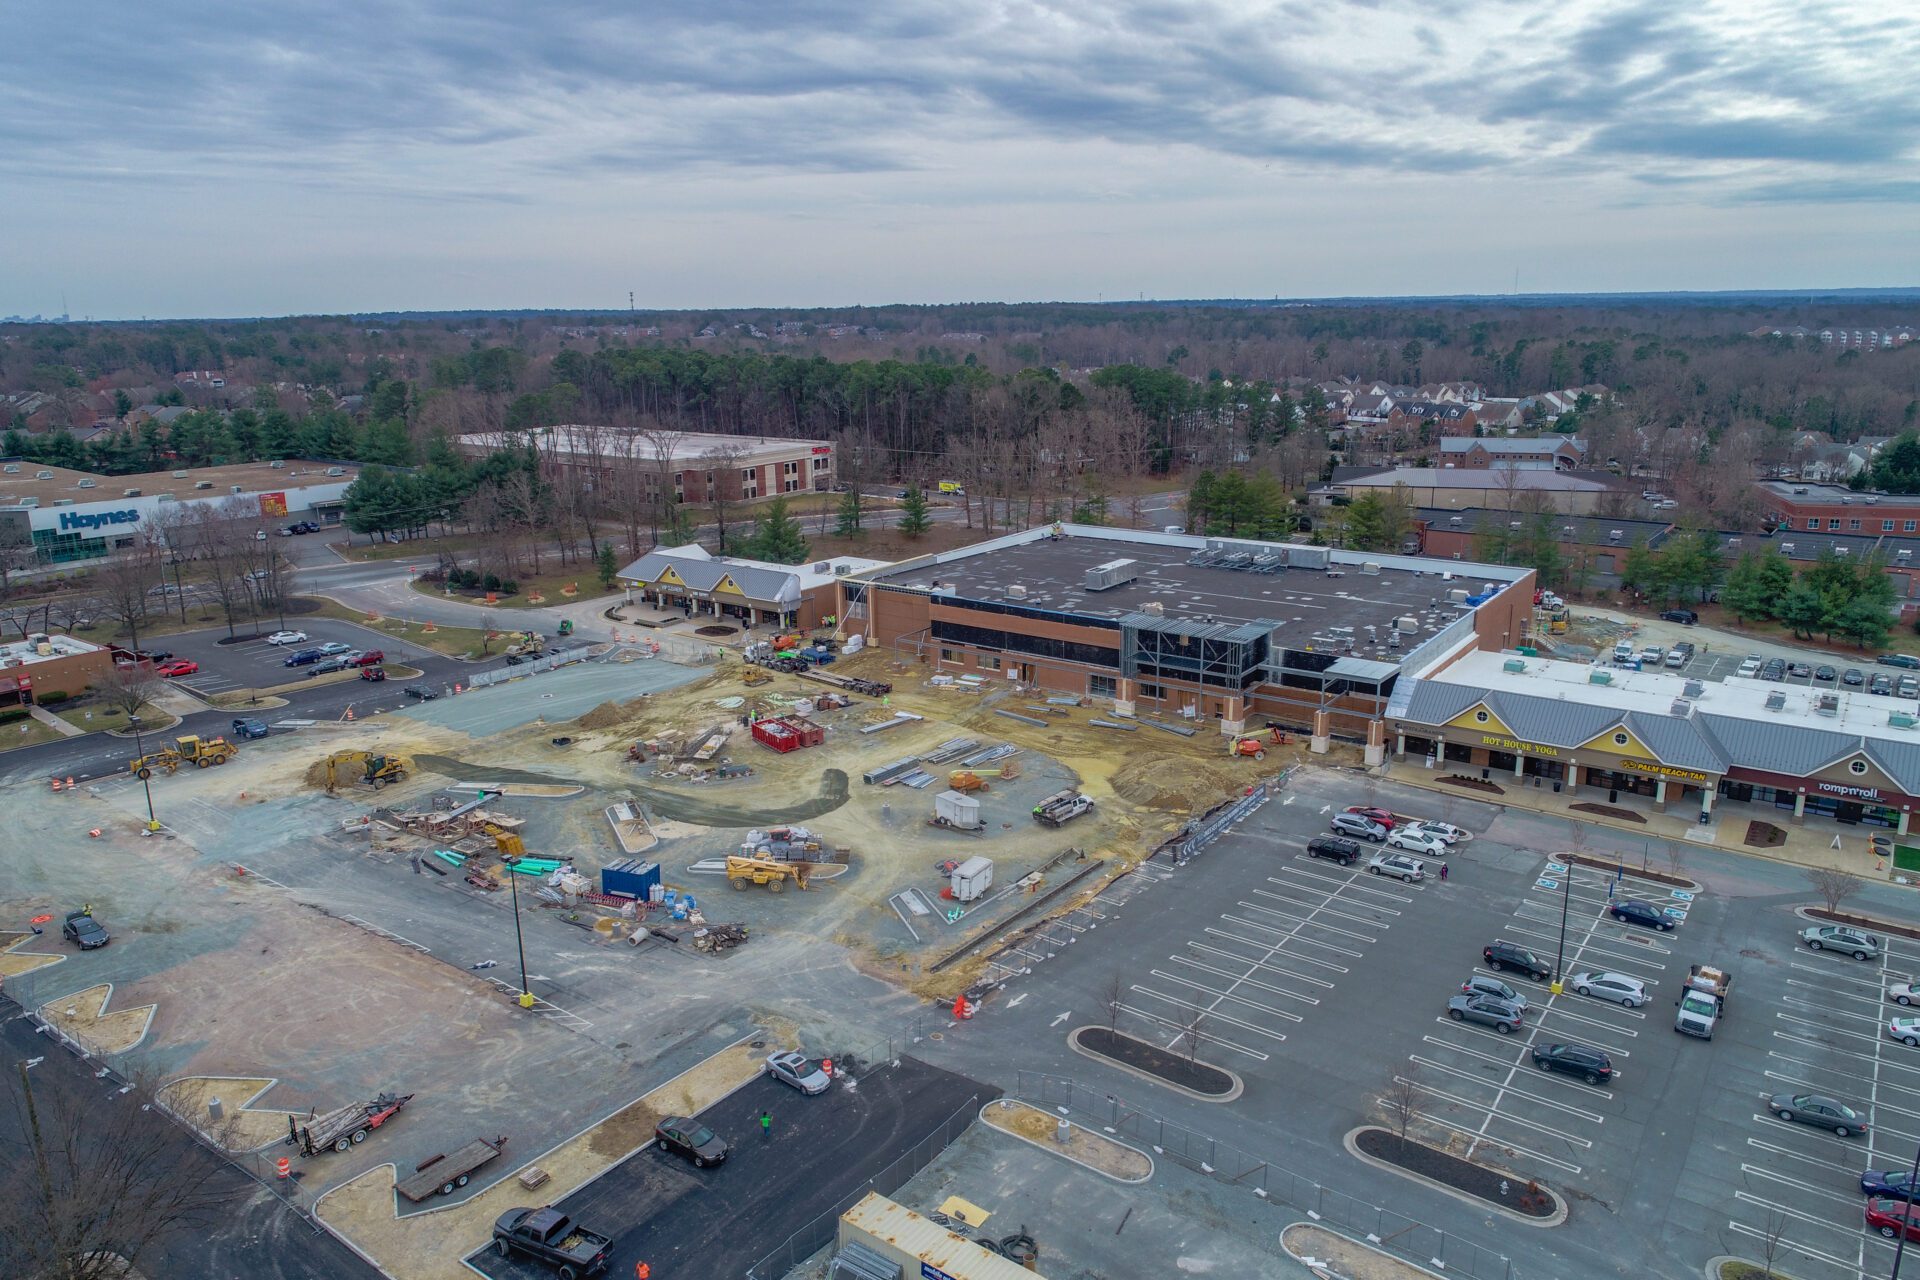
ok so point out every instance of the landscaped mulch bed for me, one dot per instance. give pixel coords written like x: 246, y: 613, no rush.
x: 1869, y: 923
x: 1478, y: 1181
x: 716, y: 631
x: 1645, y: 873
x: 1608, y: 811
x: 1764, y: 835
x: 1472, y: 784
x: 1155, y: 1061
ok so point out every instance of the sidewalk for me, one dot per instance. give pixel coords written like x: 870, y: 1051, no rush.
x: 1807, y: 846
x: 55, y: 723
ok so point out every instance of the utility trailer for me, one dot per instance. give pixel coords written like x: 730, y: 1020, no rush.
x: 446, y: 1173
x: 343, y: 1127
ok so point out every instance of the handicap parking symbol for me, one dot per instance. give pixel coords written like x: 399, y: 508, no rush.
x: 1544, y: 883
x: 1556, y: 868
x: 1682, y: 895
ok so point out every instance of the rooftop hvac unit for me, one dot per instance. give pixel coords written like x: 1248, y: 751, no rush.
x: 1371, y: 567
x: 1599, y: 677
x: 1693, y: 688
x: 63, y: 502
x: 87, y: 484
x: 129, y: 493
x: 1615, y: 535
x: 1016, y: 592
x: 13, y: 468
x: 1513, y: 524
x: 28, y: 502
x: 1154, y: 607
x: 1453, y: 520
x: 1827, y: 704
x: 1777, y: 701
x: 1872, y: 501
x: 1566, y: 531
x: 1732, y: 543
x: 1114, y: 573
x: 1900, y: 720
x: 1843, y: 551
x: 277, y: 463
x: 1514, y: 666
x: 842, y: 570
x: 203, y: 484
x: 1681, y: 707
x: 1903, y: 554
x: 1458, y: 595
x: 1301, y: 557
x: 235, y: 488
x: 179, y: 475
x: 1406, y: 622
x: 43, y: 475
x: 336, y: 471
x: 1786, y: 548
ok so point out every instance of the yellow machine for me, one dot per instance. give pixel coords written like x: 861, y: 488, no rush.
x: 965, y: 781
x: 744, y: 872
x: 191, y: 749
x: 364, y: 766
x: 1557, y: 622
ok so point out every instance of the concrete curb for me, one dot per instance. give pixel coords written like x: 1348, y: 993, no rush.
x: 1239, y: 1085
x: 1322, y: 1271
x: 1008, y: 1103
x: 1553, y: 1219
x: 1715, y: 1263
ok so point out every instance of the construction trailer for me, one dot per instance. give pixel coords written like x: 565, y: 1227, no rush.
x: 878, y: 1237
x: 345, y: 1126
x: 957, y: 811
x: 971, y: 879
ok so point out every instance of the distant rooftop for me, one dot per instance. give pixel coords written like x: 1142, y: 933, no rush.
x: 1472, y: 478
x: 1838, y: 495
x: 626, y: 444
x: 26, y: 653
x: 50, y: 484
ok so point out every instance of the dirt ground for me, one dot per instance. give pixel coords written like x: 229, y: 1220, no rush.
x: 246, y: 1126
x: 94, y: 1018
x: 1089, y: 1148
x: 1346, y: 1259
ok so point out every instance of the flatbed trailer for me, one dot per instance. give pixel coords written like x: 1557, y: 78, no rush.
x: 444, y: 1174
x: 343, y: 1127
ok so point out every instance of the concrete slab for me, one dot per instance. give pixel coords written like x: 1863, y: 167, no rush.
x: 556, y: 695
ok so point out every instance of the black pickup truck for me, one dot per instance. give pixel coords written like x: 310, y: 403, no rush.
x: 551, y: 1236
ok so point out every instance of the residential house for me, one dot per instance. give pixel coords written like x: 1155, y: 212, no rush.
x: 1439, y: 419
x: 1553, y: 452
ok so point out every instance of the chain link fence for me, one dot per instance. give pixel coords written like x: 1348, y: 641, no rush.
x: 1200, y: 832
x: 1418, y: 1242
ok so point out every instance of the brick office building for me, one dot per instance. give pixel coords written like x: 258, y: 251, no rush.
x: 689, y: 465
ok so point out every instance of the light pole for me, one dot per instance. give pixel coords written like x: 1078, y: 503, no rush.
x: 1566, y: 893
x: 519, y: 941
x: 140, y: 747
x: 1906, y: 1211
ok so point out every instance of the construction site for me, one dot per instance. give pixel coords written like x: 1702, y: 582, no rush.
x: 621, y: 872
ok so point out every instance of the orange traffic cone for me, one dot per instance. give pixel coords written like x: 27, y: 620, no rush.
x: 69, y: 782
x: 283, y: 1168
x: 349, y: 713
x: 95, y: 833
x: 56, y: 784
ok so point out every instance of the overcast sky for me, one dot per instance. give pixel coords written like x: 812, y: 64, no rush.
x: 209, y: 158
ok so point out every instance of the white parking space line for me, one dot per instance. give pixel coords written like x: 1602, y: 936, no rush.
x: 1372, y: 885
x: 1325, y: 902
x: 1813, y: 1189
x: 1292, y: 936
x: 1849, y: 1167
x: 1267, y: 965
x: 1581, y: 1112
x: 1313, y: 916
x: 1549, y: 939
x: 1248, y: 981
x: 1619, y: 1010
x: 1819, y: 1006
x: 1224, y: 995
x: 1870, y: 996
x: 1560, y: 1011
x: 1205, y: 1035
x: 1790, y: 1246
x: 1798, y: 1215
x: 1521, y: 1148
x: 1810, y: 1027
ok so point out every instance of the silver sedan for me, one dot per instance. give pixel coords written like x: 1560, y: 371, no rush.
x: 1604, y: 984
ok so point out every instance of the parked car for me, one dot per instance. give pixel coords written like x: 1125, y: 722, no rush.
x: 178, y: 667
x: 420, y: 693
x: 1501, y: 956
x: 1481, y: 985
x: 1775, y: 669
x: 691, y: 1140
x: 373, y: 673
x: 1583, y: 1060
x: 332, y: 647
x: 1882, y: 685
x: 1686, y: 617
x: 1334, y: 848
x: 301, y: 657
x: 338, y: 662
x: 1853, y: 677
x: 1750, y: 666
x: 1903, y: 993
x: 1352, y: 824
x: 1397, y: 865
x: 1799, y: 671
x: 1906, y: 660
x: 157, y: 655
x: 794, y: 1068
x: 1858, y: 943
x: 1383, y: 817
x: 1417, y: 842
x: 287, y: 637
x: 1445, y: 832
x: 1825, y: 674
x: 81, y: 929
x: 249, y: 727
x: 1652, y: 656
x: 1906, y: 1031
x: 1819, y: 1111
x: 1891, y: 1217
x: 1644, y: 914
x: 567, y: 1248
x: 1907, y: 687
x: 1604, y: 984
x: 370, y: 658
x: 1894, y: 1184
x: 1498, y: 1014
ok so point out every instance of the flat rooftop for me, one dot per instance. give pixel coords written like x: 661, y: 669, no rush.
x: 1838, y: 495
x: 22, y: 652
x: 1304, y: 603
x: 628, y: 445
x: 50, y: 484
x: 1655, y: 692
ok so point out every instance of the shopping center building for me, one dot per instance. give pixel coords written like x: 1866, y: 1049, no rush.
x: 1741, y: 748
x: 1189, y: 628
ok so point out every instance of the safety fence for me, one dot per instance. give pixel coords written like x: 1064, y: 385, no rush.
x: 817, y: 1234
x: 1420, y: 1243
x: 1200, y: 832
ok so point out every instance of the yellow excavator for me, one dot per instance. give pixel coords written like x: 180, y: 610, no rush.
x: 367, y: 767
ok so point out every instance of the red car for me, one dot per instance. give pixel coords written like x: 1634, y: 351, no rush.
x: 1382, y: 816
x: 178, y: 667
x: 1886, y: 1217
x: 371, y: 658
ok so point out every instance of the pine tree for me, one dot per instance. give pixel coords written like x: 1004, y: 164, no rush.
x: 606, y: 566
x: 913, y: 513
x: 849, y: 514
x: 777, y: 536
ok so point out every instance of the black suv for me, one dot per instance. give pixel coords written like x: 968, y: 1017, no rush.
x: 1581, y: 1060
x: 420, y: 692
x: 1501, y: 956
x: 1685, y: 616
x: 1341, y: 851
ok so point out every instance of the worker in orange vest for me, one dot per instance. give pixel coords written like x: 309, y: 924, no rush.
x: 641, y: 1271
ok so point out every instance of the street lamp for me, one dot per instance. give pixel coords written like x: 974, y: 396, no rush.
x: 519, y: 941
x: 1906, y: 1215
x: 140, y: 747
x: 1566, y: 892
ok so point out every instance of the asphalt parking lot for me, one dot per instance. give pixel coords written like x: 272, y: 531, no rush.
x: 255, y: 664
x: 684, y: 1221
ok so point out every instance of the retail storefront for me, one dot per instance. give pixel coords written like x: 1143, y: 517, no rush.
x: 1853, y: 802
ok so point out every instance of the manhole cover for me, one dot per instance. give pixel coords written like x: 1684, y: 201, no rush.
x: 936, y: 1035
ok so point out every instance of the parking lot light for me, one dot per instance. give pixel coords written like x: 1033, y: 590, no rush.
x: 140, y: 750
x: 1560, y: 957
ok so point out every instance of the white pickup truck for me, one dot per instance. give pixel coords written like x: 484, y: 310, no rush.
x: 1703, y: 1000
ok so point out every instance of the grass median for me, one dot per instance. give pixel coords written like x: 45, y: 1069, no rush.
x: 454, y: 642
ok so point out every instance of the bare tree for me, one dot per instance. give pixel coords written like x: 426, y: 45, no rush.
x: 1773, y: 1236
x: 1834, y: 886
x: 123, y: 583
x: 722, y: 463
x: 130, y: 687
x: 97, y: 1183
x: 1192, y: 1032
x: 1403, y: 1099
x: 1110, y: 993
x: 1676, y: 857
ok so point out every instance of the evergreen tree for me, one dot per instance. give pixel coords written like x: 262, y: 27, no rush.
x: 1747, y: 593
x: 606, y: 566
x: 1863, y: 622
x: 849, y: 514
x: 777, y: 536
x: 1802, y: 609
x: 913, y: 513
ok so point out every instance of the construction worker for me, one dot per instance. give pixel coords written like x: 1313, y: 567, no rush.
x: 766, y: 1125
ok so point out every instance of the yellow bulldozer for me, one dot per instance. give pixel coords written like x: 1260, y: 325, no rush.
x: 743, y: 873
x: 367, y: 767
x: 191, y: 749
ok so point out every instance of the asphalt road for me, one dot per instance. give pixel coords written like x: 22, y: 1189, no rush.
x: 684, y: 1221
x: 253, y: 1238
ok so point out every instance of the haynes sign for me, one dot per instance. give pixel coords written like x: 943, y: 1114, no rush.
x: 92, y: 522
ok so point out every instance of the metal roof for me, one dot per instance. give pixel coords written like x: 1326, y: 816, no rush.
x: 702, y: 573
x: 1197, y: 628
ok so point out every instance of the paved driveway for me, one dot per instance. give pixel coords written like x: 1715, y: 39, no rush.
x: 255, y: 664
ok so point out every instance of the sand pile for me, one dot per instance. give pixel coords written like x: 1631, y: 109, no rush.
x: 610, y: 715
x: 1173, y: 784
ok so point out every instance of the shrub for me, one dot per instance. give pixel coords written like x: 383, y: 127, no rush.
x: 491, y: 582
x: 51, y: 696
x: 12, y: 714
x: 509, y: 587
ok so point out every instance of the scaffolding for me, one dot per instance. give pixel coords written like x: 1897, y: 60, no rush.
x: 1219, y: 655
